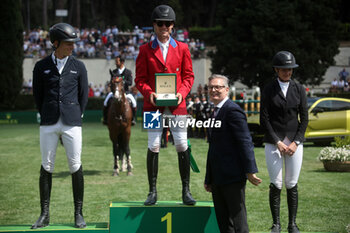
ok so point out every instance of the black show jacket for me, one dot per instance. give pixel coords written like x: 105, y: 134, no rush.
x: 282, y: 116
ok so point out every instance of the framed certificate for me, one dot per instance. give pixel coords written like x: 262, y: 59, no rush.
x: 166, y: 89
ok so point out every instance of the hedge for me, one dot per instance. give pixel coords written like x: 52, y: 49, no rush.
x: 27, y: 103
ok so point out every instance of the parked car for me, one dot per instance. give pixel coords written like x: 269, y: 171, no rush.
x: 328, y: 118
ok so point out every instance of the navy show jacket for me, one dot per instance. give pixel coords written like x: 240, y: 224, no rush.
x: 64, y: 94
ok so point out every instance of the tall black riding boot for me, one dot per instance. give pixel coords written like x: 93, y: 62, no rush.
x: 133, y: 122
x: 292, y: 199
x: 152, y: 171
x: 78, y: 195
x: 275, y: 200
x: 45, y: 183
x: 105, y: 115
x: 184, y: 168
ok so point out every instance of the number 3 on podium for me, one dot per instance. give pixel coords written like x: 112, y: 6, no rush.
x: 167, y: 218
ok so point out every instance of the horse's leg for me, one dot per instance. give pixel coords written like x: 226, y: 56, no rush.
x: 129, y: 164
x: 121, y: 153
x: 127, y: 150
x: 116, y: 159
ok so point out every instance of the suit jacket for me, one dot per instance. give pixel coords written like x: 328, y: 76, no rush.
x: 150, y: 61
x: 279, y: 115
x: 127, y: 77
x: 64, y: 95
x: 231, y: 151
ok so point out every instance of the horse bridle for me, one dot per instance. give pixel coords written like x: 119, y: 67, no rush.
x: 116, y: 80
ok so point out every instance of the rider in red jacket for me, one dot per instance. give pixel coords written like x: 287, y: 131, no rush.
x: 165, y: 55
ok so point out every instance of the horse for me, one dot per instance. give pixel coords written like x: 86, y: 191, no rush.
x: 119, y: 124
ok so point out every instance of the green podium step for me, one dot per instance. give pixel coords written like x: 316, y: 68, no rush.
x: 57, y: 228
x: 164, y: 217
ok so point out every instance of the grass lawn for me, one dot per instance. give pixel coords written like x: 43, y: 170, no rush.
x: 324, y: 197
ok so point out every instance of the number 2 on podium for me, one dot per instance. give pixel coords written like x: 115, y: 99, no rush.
x: 167, y: 218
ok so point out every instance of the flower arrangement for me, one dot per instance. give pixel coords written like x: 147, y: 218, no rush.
x: 341, y: 154
x: 336, y: 158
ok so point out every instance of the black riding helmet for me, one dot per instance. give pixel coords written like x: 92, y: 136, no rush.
x: 284, y: 59
x: 163, y: 13
x: 63, y: 32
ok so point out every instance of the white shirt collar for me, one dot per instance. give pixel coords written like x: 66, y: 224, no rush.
x: 164, y: 47
x: 54, y: 59
x: 60, y: 63
x: 121, y: 70
x: 284, y: 86
x: 219, y: 105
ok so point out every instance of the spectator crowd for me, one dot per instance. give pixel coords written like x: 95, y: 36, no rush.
x: 341, y: 84
x: 108, y: 43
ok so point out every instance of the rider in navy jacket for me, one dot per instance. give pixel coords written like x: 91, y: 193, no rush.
x: 63, y: 94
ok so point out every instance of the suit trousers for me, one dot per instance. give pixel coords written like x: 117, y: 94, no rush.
x: 72, y: 142
x: 229, y: 204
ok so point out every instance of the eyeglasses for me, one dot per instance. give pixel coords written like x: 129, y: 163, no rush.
x: 215, y: 88
x: 166, y: 23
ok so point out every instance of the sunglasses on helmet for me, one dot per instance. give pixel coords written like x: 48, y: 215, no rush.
x: 166, y: 23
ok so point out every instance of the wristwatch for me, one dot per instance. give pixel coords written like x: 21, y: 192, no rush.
x: 297, y: 142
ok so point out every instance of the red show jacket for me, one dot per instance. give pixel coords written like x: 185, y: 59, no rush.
x: 150, y: 61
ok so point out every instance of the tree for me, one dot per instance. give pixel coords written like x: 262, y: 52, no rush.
x: 11, y: 56
x: 253, y: 31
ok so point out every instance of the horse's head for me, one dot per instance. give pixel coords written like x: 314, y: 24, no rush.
x: 117, y: 85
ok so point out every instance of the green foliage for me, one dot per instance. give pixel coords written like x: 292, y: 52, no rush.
x: 26, y: 102
x: 344, y: 32
x: 94, y: 103
x: 340, y: 142
x: 208, y: 35
x: 345, y: 95
x: 11, y: 55
x: 253, y: 31
x: 22, y: 102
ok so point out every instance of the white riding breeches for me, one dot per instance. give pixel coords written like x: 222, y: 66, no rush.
x: 72, y: 142
x: 274, y: 162
x: 179, y: 135
x: 110, y: 94
x: 131, y: 100
x: 129, y: 96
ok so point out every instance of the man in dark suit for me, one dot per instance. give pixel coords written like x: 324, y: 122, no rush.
x: 60, y: 89
x: 230, y: 159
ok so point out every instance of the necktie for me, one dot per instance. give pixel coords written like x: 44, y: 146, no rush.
x: 213, y: 116
x: 215, y: 112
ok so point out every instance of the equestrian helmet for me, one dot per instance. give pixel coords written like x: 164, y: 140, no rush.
x: 284, y: 59
x: 163, y: 13
x: 63, y: 32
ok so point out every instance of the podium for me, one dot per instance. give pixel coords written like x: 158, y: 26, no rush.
x: 134, y: 217
x: 164, y: 217
x: 56, y: 228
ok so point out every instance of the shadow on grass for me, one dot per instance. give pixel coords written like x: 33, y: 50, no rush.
x: 67, y: 173
x: 322, y: 170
